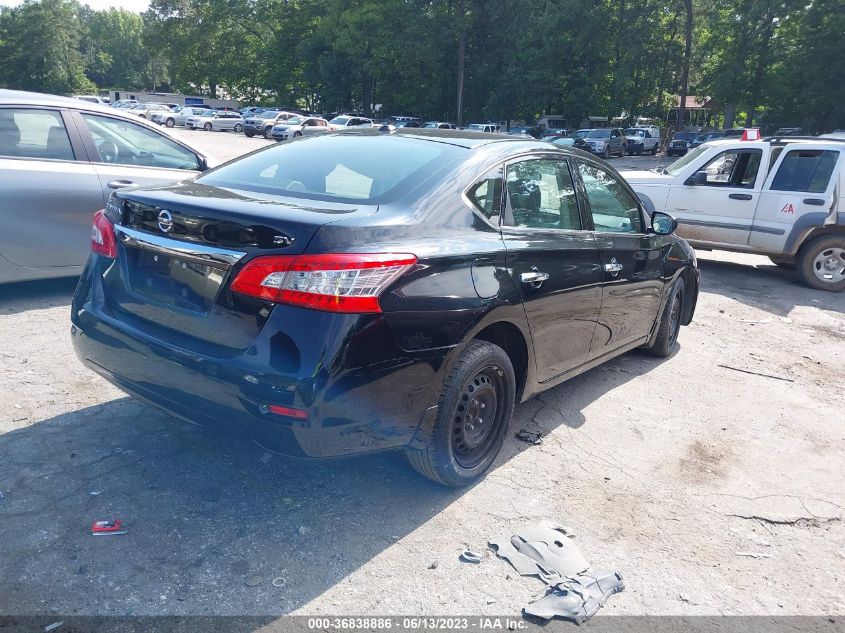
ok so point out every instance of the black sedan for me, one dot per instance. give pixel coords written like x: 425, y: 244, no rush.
x: 366, y: 291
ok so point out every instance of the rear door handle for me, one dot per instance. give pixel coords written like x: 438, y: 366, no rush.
x: 118, y: 184
x: 534, y: 278
x: 740, y: 196
x: 816, y: 202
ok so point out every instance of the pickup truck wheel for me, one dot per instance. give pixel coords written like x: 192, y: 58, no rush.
x: 822, y: 263
x: 473, y: 415
x: 670, y: 323
x: 788, y: 263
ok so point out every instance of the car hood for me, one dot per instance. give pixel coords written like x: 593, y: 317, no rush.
x: 646, y: 177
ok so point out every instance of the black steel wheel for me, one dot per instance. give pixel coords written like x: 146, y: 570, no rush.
x: 670, y: 322
x: 473, y: 415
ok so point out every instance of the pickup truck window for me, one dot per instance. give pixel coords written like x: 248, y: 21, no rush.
x: 614, y: 210
x: 733, y: 168
x: 805, y: 170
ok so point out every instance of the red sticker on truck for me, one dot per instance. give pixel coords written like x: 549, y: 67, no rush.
x: 788, y: 208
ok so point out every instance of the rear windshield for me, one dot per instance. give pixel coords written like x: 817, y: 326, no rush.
x: 343, y: 168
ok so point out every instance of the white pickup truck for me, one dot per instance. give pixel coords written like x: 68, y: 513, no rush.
x: 777, y: 197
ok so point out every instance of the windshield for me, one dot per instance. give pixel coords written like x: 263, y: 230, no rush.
x: 678, y: 166
x: 599, y: 133
x: 581, y: 133
x: 684, y: 136
x: 634, y: 132
x: 270, y: 114
x: 340, y: 120
x: 294, y: 120
x: 431, y: 124
x: 475, y: 126
x: 335, y: 168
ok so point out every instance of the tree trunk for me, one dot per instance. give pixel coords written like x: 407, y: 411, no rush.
x: 367, y: 96
x: 682, y: 111
x: 462, y: 38
x: 730, y: 115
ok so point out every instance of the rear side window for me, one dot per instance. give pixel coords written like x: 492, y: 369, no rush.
x: 614, y: 210
x: 541, y: 195
x: 342, y: 168
x: 805, y: 170
x: 34, y: 134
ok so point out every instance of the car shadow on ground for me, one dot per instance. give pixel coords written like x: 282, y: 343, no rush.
x: 207, y: 514
x: 34, y: 295
x: 764, y: 286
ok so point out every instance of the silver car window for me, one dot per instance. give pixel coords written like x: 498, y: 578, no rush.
x: 34, y: 134
x: 126, y: 143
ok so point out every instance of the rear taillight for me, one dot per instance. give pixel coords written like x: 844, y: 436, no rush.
x: 103, y: 241
x: 335, y: 283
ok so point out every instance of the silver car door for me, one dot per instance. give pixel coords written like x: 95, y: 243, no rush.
x: 49, y: 191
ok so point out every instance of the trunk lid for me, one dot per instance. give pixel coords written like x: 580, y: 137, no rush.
x: 179, y: 245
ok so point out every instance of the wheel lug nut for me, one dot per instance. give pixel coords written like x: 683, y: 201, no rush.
x: 483, y: 405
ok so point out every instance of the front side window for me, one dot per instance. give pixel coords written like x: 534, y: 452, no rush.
x: 125, y: 143
x: 734, y: 168
x: 541, y: 195
x: 613, y: 208
x: 34, y: 134
x: 486, y: 194
x: 805, y: 170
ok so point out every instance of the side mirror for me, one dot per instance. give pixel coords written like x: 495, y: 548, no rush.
x: 698, y: 178
x: 663, y: 223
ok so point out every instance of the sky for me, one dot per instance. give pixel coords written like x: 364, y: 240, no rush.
x: 132, y: 5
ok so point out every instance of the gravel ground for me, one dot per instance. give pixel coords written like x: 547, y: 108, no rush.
x: 712, y: 490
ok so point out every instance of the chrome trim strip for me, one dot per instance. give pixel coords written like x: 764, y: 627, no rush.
x: 220, y: 258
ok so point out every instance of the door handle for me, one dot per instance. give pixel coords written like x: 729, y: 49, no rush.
x: 117, y: 184
x: 613, y: 267
x: 740, y: 196
x: 816, y: 202
x: 535, y: 278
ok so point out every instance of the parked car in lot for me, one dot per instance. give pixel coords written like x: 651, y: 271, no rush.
x: 342, y: 122
x: 263, y: 122
x: 482, y: 127
x: 361, y: 292
x: 179, y: 117
x: 438, y: 125
x: 523, y: 130
x: 91, y: 99
x: 606, y: 142
x: 217, y: 120
x: 124, y: 103
x: 407, y: 123
x: 146, y: 110
x: 680, y: 143
x: 781, y: 198
x: 60, y: 159
x: 639, y: 140
x: 293, y: 127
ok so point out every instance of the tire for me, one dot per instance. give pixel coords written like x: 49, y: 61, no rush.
x: 459, y: 451
x: 654, y: 151
x: 238, y: 128
x: 781, y: 261
x: 268, y: 133
x: 822, y: 263
x: 670, y: 322
x: 170, y: 122
x: 207, y: 127
x: 249, y: 134
x: 296, y: 134
x: 606, y: 154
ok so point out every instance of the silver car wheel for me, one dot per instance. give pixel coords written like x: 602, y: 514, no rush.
x: 829, y: 265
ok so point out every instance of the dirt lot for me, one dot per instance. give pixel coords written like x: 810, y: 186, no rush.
x: 712, y: 490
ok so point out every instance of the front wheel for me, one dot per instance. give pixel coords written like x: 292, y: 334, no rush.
x: 822, y: 263
x: 207, y: 127
x: 238, y: 128
x: 249, y: 134
x: 296, y: 134
x: 670, y: 323
x: 268, y: 133
x: 473, y: 416
x: 170, y: 122
x: 654, y: 150
x: 606, y: 153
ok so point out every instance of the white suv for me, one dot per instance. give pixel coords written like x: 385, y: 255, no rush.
x: 784, y: 198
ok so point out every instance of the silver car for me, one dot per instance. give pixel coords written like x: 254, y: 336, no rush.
x: 60, y: 159
x: 218, y: 120
x: 179, y: 117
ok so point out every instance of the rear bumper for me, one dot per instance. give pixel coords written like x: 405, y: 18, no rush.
x: 361, y: 392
